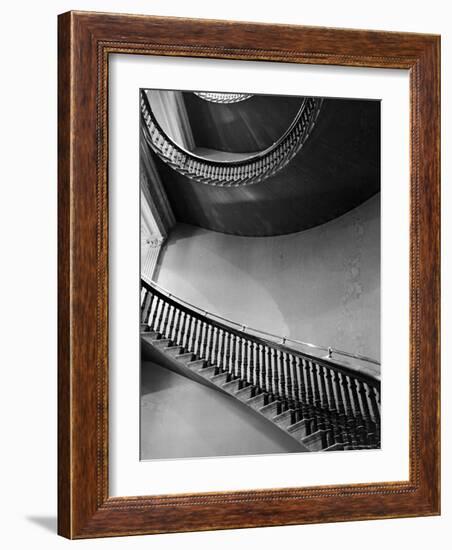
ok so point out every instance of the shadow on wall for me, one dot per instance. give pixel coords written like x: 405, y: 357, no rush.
x: 321, y: 285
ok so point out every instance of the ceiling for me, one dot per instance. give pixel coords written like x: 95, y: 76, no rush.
x: 246, y: 126
x: 337, y: 169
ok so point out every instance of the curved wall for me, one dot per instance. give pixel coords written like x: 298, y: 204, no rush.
x: 321, y: 285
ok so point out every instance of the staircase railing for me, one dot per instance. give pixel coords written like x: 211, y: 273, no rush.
x: 340, y: 403
x: 231, y: 173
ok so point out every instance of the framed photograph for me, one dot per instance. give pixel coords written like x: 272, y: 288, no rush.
x: 248, y: 275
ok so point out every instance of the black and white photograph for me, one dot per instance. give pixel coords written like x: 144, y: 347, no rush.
x: 260, y: 274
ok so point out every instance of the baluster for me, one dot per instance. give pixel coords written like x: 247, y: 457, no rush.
x: 251, y: 363
x: 316, y: 395
x: 239, y: 361
x: 193, y: 339
x: 174, y: 326
x: 263, y: 373
x: 360, y: 427
x: 197, y: 337
x: 170, y: 324
x: 151, y: 312
x: 373, y: 404
x: 365, y: 411
x: 307, y: 383
x: 338, y: 384
x: 226, y: 355
x: 180, y: 327
x: 274, y: 363
x: 293, y: 378
x: 282, y: 378
x: 315, y: 384
x: 289, y: 379
x: 214, y: 349
x: 145, y: 307
x: 268, y: 370
x: 240, y: 372
x: 301, y: 383
x: 309, y: 395
x: 164, y: 318
x: 326, y: 408
x: 376, y: 394
x: 348, y: 410
x: 245, y: 361
x: 209, y: 343
x: 375, y: 398
x: 333, y: 408
x: 187, y: 329
x: 233, y: 356
x: 193, y: 331
x: 162, y: 313
x: 143, y: 293
x: 300, y: 389
x: 353, y: 397
x: 257, y: 367
x: 220, y: 346
x: 286, y: 379
x: 322, y: 388
x: 156, y: 315
x: 202, y: 339
x: 337, y: 388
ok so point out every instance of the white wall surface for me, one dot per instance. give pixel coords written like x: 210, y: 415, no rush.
x: 28, y: 276
x: 320, y: 286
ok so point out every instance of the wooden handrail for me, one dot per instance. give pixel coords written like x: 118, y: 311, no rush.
x: 225, y: 323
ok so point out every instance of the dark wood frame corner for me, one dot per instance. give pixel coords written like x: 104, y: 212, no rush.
x: 85, y: 42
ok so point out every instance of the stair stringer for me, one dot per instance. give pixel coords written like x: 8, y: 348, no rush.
x: 161, y: 356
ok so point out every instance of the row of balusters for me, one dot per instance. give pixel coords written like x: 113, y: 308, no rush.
x: 237, y: 173
x: 344, y: 407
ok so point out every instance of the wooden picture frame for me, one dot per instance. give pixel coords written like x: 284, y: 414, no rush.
x: 86, y: 40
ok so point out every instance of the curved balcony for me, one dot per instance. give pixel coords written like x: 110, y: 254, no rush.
x: 221, y: 97
x: 232, y: 172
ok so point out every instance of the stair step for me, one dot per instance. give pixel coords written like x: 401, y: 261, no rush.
x: 284, y: 420
x: 231, y: 386
x: 335, y: 447
x: 174, y: 351
x: 185, y: 358
x: 144, y: 327
x: 299, y: 429
x: 163, y: 343
x: 208, y: 372
x: 315, y: 441
x: 270, y: 410
x: 257, y: 402
x: 244, y: 394
x: 220, y: 378
x: 149, y: 336
x: 197, y: 364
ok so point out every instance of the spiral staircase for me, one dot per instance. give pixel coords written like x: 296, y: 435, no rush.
x: 323, y: 164
x: 320, y: 403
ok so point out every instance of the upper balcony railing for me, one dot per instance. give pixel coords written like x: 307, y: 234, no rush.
x: 231, y: 173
